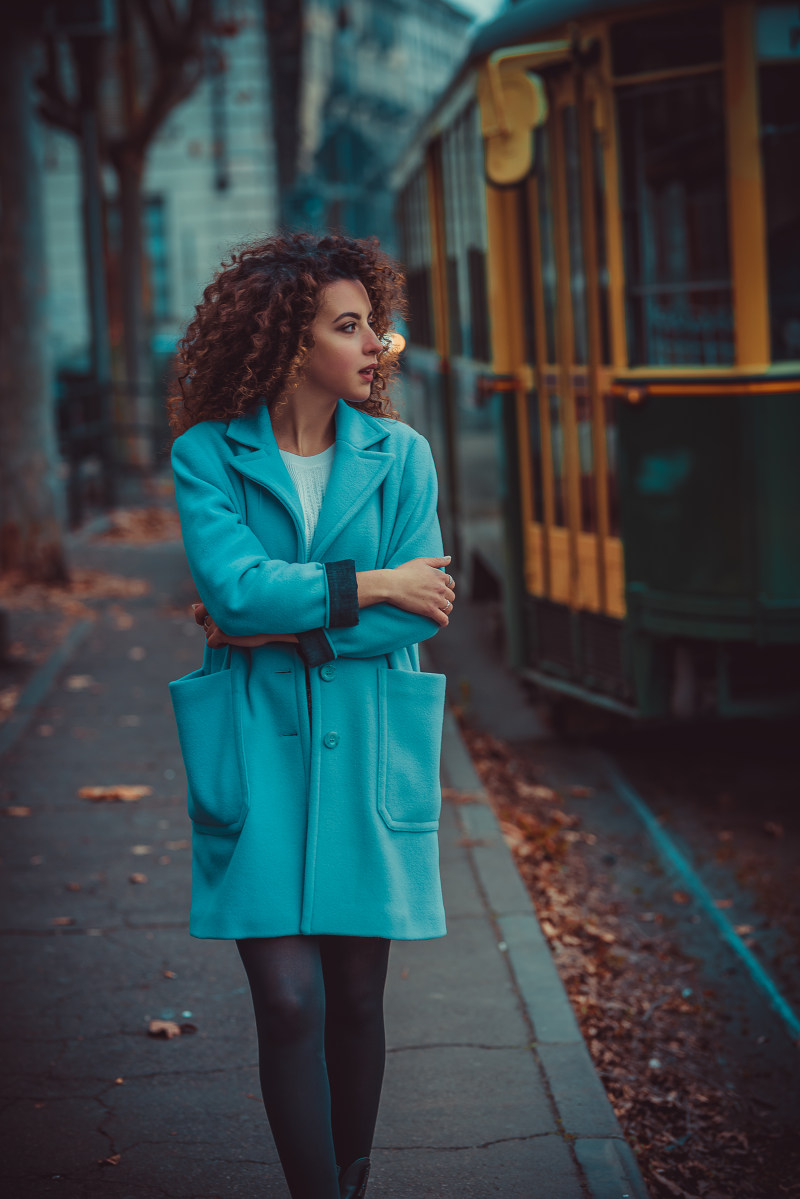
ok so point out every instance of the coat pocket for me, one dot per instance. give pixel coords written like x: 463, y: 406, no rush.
x: 410, y: 711
x: 210, y: 735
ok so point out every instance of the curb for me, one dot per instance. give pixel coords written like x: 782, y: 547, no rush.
x: 585, y: 1113
x: 39, y: 684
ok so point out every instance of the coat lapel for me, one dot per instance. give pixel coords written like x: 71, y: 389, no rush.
x: 264, y: 465
x: 357, y: 470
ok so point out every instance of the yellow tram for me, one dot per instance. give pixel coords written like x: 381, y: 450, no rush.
x: 600, y: 224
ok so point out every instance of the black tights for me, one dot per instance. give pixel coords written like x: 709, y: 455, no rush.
x: 318, y: 1004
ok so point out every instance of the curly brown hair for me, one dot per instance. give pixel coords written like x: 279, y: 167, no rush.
x: 251, y: 331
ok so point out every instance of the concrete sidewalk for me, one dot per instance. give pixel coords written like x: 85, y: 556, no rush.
x: 489, y: 1089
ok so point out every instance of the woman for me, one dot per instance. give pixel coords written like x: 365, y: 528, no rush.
x: 310, y: 738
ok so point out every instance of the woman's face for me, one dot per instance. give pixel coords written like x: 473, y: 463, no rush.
x: 345, y: 352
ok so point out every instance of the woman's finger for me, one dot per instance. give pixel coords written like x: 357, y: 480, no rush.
x: 200, y: 612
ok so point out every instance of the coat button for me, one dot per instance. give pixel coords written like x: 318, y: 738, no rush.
x: 328, y: 671
x: 331, y: 740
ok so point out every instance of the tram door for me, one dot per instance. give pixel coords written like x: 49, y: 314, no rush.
x: 573, y: 552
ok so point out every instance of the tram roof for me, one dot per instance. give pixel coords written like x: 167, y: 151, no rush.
x: 519, y: 21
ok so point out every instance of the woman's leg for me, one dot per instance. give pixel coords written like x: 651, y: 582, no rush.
x: 285, y: 976
x: 354, y: 970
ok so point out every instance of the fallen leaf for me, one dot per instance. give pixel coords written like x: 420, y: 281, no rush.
x: 451, y: 795
x: 17, y: 810
x: 164, y: 860
x: 593, y: 931
x: 548, y: 929
x: 45, y: 730
x: 680, y: 897
x: 536, y: 791
x: 137, y: 652
x: 725, y: 834
x: 742, y: 930
x: 137, y: 878
x: 723, y: 903
x: 113, y: 1160
x: 141, y: 850
x: 73, y: 886
x: 121, y: 618
x: 166, y: 1029
x: 62, y: 920
x: 184, y: 844
x: 78, y: 682
x: 773, y: 828
x: 169, y: 974
x: 119, y: 1081
x: 579, y: 791
x: 126, y: 792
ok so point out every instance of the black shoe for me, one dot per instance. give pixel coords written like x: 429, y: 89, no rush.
x: 353, y: 1180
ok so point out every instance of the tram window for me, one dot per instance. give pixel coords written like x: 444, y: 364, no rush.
x: 535, y: 437
x: 547, y: 251
x: 676, y: 39
x: 412, y: 213
x: 583, y: 416
x: 602, y: 253
x: 679, y: 304
x: 466, y: 237
x: 612, y: 464
x: 577, y: 266
x: 780, y: 143
x: 557, y: 454
x: 523, y: 225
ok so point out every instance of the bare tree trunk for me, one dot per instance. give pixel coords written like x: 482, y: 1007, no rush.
x: 138, y: 369
x: 31, y: 534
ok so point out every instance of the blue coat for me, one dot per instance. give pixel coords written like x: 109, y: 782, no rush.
x: 313, y: 771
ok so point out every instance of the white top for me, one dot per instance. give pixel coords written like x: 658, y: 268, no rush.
x: 310, y: 476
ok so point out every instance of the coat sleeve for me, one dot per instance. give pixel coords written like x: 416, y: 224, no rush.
x: 245, y: 591
x: 383, y: 628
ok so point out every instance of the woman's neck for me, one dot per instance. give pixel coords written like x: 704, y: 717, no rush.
x: 303, y: 428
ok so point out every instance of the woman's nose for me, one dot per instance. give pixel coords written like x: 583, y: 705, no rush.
x: 372, y: 343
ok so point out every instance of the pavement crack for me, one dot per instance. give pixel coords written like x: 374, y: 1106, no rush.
x: 533, y: 1136
x: 454, y: 1045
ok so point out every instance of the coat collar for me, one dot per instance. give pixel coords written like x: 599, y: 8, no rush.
x: 357, y: 469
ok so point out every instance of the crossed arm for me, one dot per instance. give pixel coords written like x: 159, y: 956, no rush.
x: 417, y: 586
x: 404, y: 602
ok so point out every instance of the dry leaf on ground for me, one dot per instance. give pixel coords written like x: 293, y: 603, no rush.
x: 166, y: 1029
x: 648, y: 1023
x: 125, y: 792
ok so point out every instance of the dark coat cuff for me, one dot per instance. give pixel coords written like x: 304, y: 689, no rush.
x: 314, y: 647
x: 343, y: 593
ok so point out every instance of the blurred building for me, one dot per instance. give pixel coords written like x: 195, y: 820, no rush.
x: 210, y: 181
x: 300, y: 130
x: 368, y: 70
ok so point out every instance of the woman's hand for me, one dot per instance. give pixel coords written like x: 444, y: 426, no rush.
x: 420, y: 586
x: 215, y: 636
